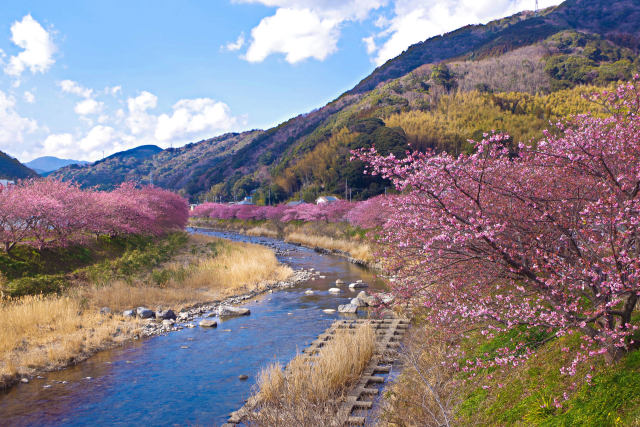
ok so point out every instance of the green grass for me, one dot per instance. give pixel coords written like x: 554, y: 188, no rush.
x: 527, y: 395
x: 27, y: 271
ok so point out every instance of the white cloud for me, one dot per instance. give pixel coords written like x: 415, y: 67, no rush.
x: 113, y: 90
x: 29, y: 97
x: 69, y: 86
x: 416, y: 20
x: 139, y: 121
x: 195, y: 119
x: 237, y: 45
x: 302, y: 29
x: 13, y: 127
x: 370, y: 43
x: 88, y: 106
x: 37, y: 44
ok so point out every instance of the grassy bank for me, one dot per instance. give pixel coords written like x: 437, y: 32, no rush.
x: 310, y: 390
x: 56, y: 328
x: 337, y: 237
x: 532, y: 393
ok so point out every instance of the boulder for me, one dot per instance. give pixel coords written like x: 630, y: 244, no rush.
x: 358, y: 302
x: 367, y: 299
x: 230, y: 311
x: 129, y: 313
x: 166, y: 315
x: 144, y: 313
x: 348, y: 308
x: 334, y: 291
x: 358, y: 285
x: 105, y: 310
x: 208, y: 323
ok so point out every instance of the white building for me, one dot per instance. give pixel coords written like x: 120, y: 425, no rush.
x: 326, y: 199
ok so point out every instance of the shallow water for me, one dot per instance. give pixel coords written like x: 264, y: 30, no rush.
x: 157, y: 382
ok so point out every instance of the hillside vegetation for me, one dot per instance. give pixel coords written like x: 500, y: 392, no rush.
x: 12, y: 169
x: 513, y: 74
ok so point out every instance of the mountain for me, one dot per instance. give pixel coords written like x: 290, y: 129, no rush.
x: 513, y: 74
x: 12, y: 169
x: 46, y: 164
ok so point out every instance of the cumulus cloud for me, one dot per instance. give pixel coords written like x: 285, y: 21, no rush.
x: 237, y: 45
x: 370, y: 44
x: 37, y: 44
x: 416, y: 20
x: 13, y: 126
x: 302, y: 29
x: 195, y: 119
x: 29, y: 97
x: 88, y: 106
x: 69, y: 86
x: 139, y: 120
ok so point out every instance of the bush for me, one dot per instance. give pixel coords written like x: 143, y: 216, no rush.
x: 40, y: 284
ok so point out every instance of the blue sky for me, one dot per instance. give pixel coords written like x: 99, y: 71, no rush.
x: 79, y: 78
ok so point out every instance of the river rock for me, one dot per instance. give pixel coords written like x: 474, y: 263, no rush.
x: 144, y: 313
x: 358, y: 302
x: 309, y: 292
x: 230, y: 311
x: 334, y: 291
x: 166, y: 315
x: 348, y: 308
x: 387, y: 298
x: 105, y: 310
x: 367, y: 299
x: 191, y: 325
x: 329, y: 310
x: 129, y: 313
x: 243, y: 377
x: 24, y: 380
x: 339, y: 282
x: 358, y: 285
x: 168, y: 322
x: 208, y: 323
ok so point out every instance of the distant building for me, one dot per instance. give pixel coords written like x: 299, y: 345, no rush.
x: 247, y: 201
x: 192, y: 206
x: 295, y: 203
x: 326, y: 199
x: 6, y: 182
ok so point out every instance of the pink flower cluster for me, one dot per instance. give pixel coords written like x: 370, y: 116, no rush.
x: 48, y: 213
x: 544, y: 237
x: 368, y: 214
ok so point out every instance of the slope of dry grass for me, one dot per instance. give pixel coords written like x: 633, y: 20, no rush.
x: 358, y: 250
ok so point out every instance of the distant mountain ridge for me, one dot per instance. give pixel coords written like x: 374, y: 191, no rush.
x: 578, y: 43
x: 46, y: 164
x: 12, y: 169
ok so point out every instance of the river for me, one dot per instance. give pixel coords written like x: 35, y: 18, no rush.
x: 189, y: 377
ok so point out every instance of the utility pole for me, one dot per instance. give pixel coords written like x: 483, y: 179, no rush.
x: 346, y: 189
x: 536, y: 7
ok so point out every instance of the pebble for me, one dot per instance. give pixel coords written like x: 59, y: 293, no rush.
x: 184, y: 347
x: 329, y: 310
x: 243, y: 377
x: 334, y: 290
x: 46, y: 386
x: 24, y: 380
x: 309, y: 292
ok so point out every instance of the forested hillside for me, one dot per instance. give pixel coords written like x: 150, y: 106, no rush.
x: 12, y: 169
x: 514, y: 74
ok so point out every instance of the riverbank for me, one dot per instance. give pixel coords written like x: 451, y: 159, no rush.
x: 339, y: 239
x: 45, y: 333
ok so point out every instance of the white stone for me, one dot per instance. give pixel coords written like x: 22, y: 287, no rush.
x: 348, y: 308
x: 309, y: 292
x: 334, y: 290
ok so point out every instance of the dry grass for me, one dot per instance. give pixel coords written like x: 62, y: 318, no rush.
x: 358, y: 250
x: 41, y: 333
x: 426, y: 392
x: 262, y: 231
x: 238, y: 267
x: 47, y: 333
x: 309, y: 391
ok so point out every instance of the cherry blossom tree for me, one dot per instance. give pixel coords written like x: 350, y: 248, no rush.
x: 544, y: 237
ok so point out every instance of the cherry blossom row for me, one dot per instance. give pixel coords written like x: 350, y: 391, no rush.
x: 49, y: 213
x: 367, y: 214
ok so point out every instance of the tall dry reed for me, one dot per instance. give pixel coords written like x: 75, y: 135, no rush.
x: 309, y: 390
x: 357, y: 250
